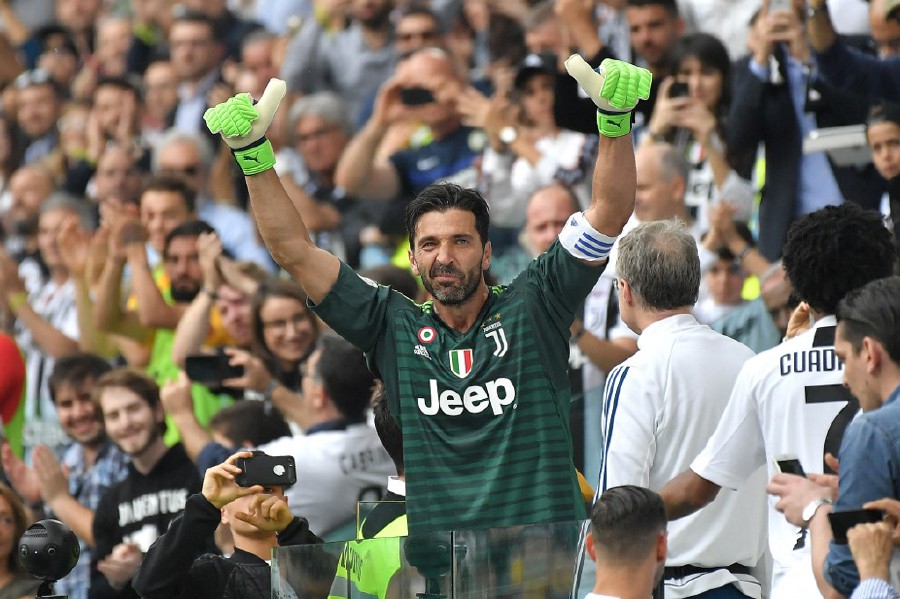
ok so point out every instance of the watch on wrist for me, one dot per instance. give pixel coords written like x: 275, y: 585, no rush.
x: 812, y: 507
x: 508, y: 134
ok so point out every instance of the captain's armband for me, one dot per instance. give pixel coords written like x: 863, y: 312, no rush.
x: 583, y: 241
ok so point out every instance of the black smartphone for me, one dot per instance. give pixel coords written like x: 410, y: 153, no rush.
x: 679, y: 89
x: 416, y: 96
x: 843, y: 521
x: 266, y: 470
x: 211, y: 370
x: 789, y: 465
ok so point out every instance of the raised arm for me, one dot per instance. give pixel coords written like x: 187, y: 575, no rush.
x: 615, y: 87
x: 243, y: 126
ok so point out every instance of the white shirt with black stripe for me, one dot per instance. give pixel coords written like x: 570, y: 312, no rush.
x: 788, y: 400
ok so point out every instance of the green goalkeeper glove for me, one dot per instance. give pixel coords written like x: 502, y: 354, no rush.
x: 243, y: 125
x: 615, y: 87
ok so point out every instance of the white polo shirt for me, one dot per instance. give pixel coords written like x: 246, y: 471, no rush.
x: 660, y: 407
x: 788, y: 400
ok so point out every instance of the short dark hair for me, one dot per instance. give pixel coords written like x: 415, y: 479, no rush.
x: 441, y: 197
x: 251, y: 422
x: 420, y: 10
x: 172, y: 184
x: 192, y: 16
x: 398, y: 279
x: 345, y: 376
x: 671, y: 6
x: 832, y: 251
x: 75, y: 370
x: 121, y: 83
x: 132, y: 379
x: 387, y: 427
x: 873, y: 310
x: 885, y: 112
x: 625, y: 522
x: 191, y: 228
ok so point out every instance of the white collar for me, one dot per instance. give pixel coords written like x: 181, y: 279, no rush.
x: 396, y: 486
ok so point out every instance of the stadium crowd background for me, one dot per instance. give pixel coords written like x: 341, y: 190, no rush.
x: 127, y: 235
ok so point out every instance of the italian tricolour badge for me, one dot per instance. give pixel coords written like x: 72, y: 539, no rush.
x: 461, y: 362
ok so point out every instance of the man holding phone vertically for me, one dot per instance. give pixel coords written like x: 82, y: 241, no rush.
x: 867, y: 341
x: 260, y: 521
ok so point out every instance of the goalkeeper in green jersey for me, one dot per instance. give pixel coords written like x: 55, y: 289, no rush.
x: 476, y: 377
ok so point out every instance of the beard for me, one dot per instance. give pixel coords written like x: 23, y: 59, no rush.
x: 453, y: 294
x: 184, y: 293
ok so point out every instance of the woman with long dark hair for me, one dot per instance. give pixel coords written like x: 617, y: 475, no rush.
x: 284, y: 332
x: 690, y: 113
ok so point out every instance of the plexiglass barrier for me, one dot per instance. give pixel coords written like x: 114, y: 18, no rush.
x: 521, y: 562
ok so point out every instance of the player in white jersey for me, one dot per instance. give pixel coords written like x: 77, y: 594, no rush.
x: 663, y: 403
x: 790, y: 400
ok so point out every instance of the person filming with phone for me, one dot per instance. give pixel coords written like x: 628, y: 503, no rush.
x: 251, y: 501
x: 866, y: 341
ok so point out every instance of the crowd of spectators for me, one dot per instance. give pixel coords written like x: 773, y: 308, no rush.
x: 128, y: 243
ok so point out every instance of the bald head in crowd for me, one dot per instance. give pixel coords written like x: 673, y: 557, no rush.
x: 546, y: 214
x: 661, y: 183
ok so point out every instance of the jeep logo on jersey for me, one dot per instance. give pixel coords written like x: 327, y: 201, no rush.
x: 474, y: 399
x: 461, y: 362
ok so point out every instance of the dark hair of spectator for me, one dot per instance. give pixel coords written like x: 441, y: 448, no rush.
x: 886, y: 112
x: 387, y: 428
x: 75, y: 371
x: 281, y: 288
x: 191, y: 16
x: 122, y: 83
x: 20, y: 522
x: 250, y: 422
x: 445, y: 196
x: 398, y: 279
x: 712, y: 54
x: 835, y: 250
x: 172, y: 184
x: 191, y: 228
x: 135, y: 381
x: 506, y: 39
x: 626, y: 522
x: 873, y: 311
x: 670, y: 5
x: 344, y: 374
x: 420, y: 10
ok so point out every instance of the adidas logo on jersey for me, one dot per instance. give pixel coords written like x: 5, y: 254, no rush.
x: 474, y: 399
x: 420, y: 350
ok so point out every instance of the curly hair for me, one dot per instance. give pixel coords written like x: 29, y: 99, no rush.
x: 835, y: 250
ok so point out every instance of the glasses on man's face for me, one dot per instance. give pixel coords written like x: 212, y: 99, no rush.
x: 616, y: 284
x: 303, y: 138
x: 280, y: 325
